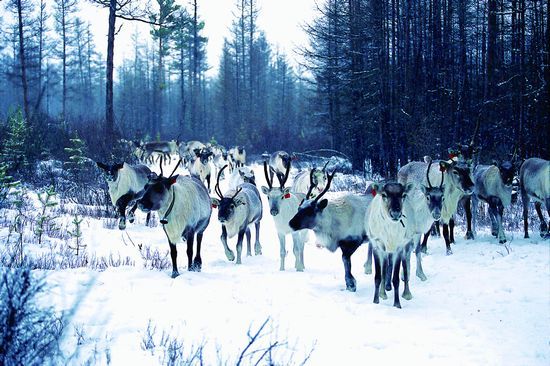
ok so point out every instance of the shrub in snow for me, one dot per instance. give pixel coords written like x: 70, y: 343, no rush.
x: 19, y: 222
x: 29, y: 333
x: 44, y: 220
x: 7, y: 184
x: 76, y: 233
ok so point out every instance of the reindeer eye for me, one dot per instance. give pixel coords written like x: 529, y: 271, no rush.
x: 428, y: 197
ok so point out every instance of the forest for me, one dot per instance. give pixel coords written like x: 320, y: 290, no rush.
x: 383, y: 81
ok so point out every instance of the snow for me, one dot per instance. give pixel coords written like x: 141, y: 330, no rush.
x: 478, y: 306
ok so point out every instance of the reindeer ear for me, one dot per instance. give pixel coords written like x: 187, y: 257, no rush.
x: 118, y: 166
x: 495, y: 162
x: 376, y: 187
x: 238, y: 201
x: 265, y: 190
x: 286, y: 191
x: 152, y: 176
x: 322, y: 204
x: 215, y: 202
x: 409, y: 187
x: 172, y: 180
x: 443, y: 165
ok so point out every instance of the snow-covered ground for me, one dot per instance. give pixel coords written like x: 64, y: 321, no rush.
x: 478, y: 306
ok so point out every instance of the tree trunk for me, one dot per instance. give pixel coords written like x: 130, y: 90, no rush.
x: 109, y: 106
x: 23, y: 61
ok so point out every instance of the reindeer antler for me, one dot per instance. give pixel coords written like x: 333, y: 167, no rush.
x: 173, y: 171
x: 269, y: 181
x: 311, y: 184
x: 329, y: 180
x: 428, y: 175
x: 237, y: 192
x: 283, y: 181
x: 217, y: 186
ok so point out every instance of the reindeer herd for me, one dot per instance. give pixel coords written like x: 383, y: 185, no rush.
x: 395, y: 218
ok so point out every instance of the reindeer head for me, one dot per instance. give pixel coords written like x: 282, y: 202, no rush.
x: 111, y: 171
x: 247, y: 175
x: 507, y: 171
x: 203, y: 155
x: 393, y: 194
x: 310, y: 209
x: 434, y: 195
x: 156, y: 192
x: 226, y: 205
x: 275, y: 195
x: 459, y: 174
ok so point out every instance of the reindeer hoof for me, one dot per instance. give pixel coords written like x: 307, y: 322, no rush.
x: 376, y: 300
x: 469, y: 235
x: 407, y: 295
x: 122, y: 224
x: 449, y: 252
x: 424, y: 249
x: 368, y: 269
x: 397, y: 305
x: 258, y: 250
x: 421, y: 275
x: 383, y: 295
x: 230, y: 256
x: 175, y: 274
x: 351, y: 285
x: 502, y: 241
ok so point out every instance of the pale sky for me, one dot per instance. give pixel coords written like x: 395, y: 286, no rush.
x: 280, y: 19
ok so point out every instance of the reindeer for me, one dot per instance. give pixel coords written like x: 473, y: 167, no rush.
x: 283, y: 205
x: 279, y: 161
x: 338, y: 223
x: 125, y: 181
x: 201, y: 167
x: 242, y: 175
x: 237, y: 210
x: 534, y: 178
x: 458, y: 184
x: 313, y: 177
x: 184, y: 207
x: 163, y: 149
x: 238, y: 156
x: 390, y: 232
x: 493, y: 185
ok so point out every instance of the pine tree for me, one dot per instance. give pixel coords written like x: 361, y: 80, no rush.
x: 77, y: 156
x: 14, y: 154
x: 77, y: 235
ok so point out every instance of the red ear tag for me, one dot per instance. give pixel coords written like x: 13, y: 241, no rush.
x: 287, y: 195
x: 214, y: 206
x: 441, y: 168
x: 373, y: 192
x: 452, y: 156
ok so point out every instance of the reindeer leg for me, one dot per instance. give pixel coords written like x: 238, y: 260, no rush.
x: 418, y: 251
x: 396, y: 262
x: 493, y: 214
x: 525, y: 202
x: 208, y: 181
x: 282, y: 251
x: 121, y: 205
x: 468, y: 210
x: 348, y: 248
x: 174, y: 255
x: 452, y: 230
x: 389, y: 267
x: 383, y: 259
x: 257, y: 245
x: 248, y: 239
x: 377, y: 277
x: 446, y: 237
x: 298, y: 249
x: 148, y: 219
x: 197, y: 262
x: 424, y: 246
x: 548, y: 211
x: 543, y: 226
x: 240, y: 237
x: 228, y: 253
x: 406, y: 271
x: 499, y: 211
x: 189, y: 239
x: 368, y: 263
